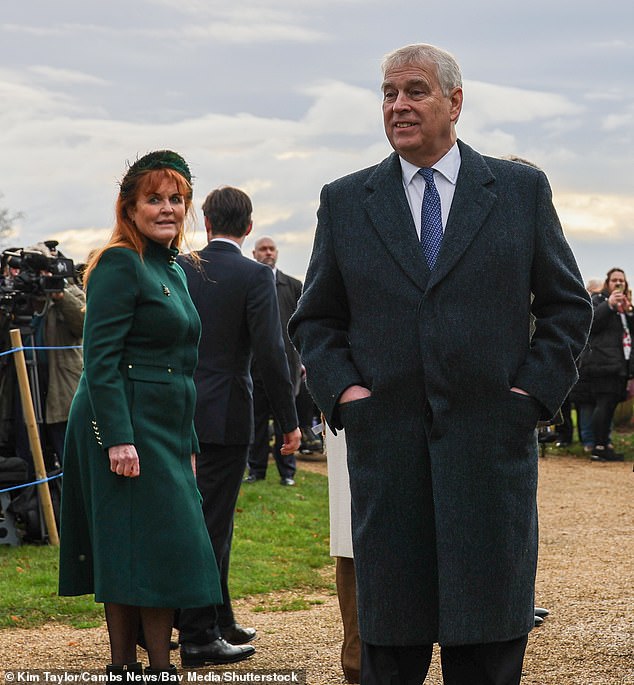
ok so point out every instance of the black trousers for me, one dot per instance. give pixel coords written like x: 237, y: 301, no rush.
x: 219, y: 473
x: 604, y: 407
x: 259, y: 452
x: 495, y: 663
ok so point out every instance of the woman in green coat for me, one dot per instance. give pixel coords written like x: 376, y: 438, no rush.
x: 132, y: 527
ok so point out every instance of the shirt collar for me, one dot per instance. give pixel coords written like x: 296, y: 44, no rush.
x: 448, y: 166
x: 226, y: 240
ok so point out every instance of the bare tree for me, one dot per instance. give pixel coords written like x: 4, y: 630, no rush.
x: 6, y: 223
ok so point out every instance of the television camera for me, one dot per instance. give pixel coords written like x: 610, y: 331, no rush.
x: 29, y: 275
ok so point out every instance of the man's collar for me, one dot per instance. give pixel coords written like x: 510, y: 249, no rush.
x: 226, y: 240
x: 448, y: 166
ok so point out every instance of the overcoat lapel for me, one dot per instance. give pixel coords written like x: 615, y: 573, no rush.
x: 470, y: 207
x: 389, y: 214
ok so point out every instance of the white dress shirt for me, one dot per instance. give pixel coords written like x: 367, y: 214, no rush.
x: 445, y: 175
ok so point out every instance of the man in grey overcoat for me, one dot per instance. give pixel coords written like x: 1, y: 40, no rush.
x: 426, y: 358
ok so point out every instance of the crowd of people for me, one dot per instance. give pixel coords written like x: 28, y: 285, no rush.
x: 189, y: 359
x: 605, y: 368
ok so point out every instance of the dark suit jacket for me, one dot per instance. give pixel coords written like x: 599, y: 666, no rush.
x: 442, y: 457
x: 289, y: 290
x: 237, y: 304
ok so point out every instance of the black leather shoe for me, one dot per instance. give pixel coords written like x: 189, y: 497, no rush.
x: 600, y: 453
x: 237, y: 635
x: 219, y: 651
x: 287, y: 481
x: 542, y: 613
x: 538, y: 621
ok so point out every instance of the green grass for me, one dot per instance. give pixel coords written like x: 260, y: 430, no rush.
x: 622, y: 435
x: 281, y: 535
x: 622, y: 438
x: 280, y: 543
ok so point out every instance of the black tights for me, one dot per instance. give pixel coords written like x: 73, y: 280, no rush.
x: 604, y: 407
x: 123, y: 626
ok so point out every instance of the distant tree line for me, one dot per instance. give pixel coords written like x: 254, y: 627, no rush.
x: 6, y: 223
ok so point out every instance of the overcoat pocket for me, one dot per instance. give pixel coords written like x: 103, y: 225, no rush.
x: 150, y: 374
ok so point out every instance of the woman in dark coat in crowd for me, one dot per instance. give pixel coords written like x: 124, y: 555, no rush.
x: 132, y: 526
x: 606, y: 363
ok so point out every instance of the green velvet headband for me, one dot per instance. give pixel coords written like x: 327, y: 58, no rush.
x: 161, y: 159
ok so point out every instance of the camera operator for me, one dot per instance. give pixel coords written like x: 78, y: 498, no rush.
x: 56, y: 308
x: 7, y: 273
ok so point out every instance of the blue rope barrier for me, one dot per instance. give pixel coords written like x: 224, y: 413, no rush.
x: 24, y: 349
x: 35, y: 482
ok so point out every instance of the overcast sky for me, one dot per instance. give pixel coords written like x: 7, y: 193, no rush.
x: 279, y: 97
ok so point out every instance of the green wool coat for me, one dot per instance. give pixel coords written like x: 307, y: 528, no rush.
x: 139, y: 541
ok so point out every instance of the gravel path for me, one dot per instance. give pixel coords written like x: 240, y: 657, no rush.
x: 585, y: 578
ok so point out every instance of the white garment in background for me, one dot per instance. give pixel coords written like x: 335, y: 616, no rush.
x: 338, y: 494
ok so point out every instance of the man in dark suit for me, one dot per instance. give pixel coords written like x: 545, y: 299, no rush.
x: 235, y: 298
x: 414, y: 331
x: 288, y: 291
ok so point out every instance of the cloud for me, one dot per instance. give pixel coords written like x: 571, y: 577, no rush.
x: 246, y: 24
x: 35, y: 31
x: 502, y: 120
x: 80, y: 243
x: 67, y: 76
x: 605, y: 94
x: 67, y: 156
x: 57, y: 30
x: 340, y: 108
x: 596, y: 216
x: 25, y: 104
x: 253, y: 32
x: 65, y: 168
x: 495, y: 104
x: 614, y: 44
x: 614, y: 122
x: 250, y: 7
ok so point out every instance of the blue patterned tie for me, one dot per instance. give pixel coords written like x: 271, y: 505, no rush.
x: 431, y: 218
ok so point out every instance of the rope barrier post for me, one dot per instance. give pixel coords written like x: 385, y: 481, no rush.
x: 34, y: 436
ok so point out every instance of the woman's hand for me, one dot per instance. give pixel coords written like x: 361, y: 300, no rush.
x: 124, y: 460
x: 617, y: 300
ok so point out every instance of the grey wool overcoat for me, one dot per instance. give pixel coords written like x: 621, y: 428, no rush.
x: 443, y: 456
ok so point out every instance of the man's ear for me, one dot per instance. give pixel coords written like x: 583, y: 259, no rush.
x: 249, y: 228
x: 456, y: 104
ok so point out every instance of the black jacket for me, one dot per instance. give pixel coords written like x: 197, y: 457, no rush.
x: 289, y: 290
x: 235, y: 298
x: 603, y: 355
